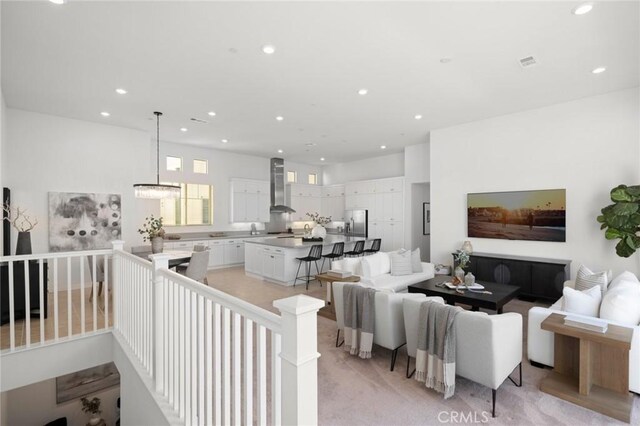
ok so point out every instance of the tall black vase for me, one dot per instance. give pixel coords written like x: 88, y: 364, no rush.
x: 24, y: 243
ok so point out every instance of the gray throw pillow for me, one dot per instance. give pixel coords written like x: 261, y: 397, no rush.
x: 401, y: 263
x: 416, y: 263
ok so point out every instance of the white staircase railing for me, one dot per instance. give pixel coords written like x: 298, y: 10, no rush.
x: 217, y: 359
x: 37, y: 287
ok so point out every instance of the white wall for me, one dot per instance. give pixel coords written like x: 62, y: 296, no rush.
x: 416, y: 171
x: 223, y: 166
x: 46, y: 153
x: 391, y: 165
x: 3, y: 129
x: 587, y: 146
x: 36, y: 405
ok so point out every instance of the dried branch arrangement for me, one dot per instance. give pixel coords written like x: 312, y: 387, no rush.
x: 18, y: 218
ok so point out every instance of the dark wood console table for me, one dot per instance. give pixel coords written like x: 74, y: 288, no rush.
x: 18, y: 290
x: 539, y: 278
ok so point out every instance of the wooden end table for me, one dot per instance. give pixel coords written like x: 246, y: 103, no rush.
x: 328, y: 280
x: 591, y: 369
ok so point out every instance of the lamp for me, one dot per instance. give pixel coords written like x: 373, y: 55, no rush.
x: 155, y: 190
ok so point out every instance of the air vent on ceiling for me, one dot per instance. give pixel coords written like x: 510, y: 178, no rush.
x: 527, y: 62
x: 197, y: 120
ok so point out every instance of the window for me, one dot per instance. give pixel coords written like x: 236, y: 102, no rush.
x: 313, y: 179
x: 200, y: 166
x: 194, y: 207
x: 174, y: 164
x: 292, y: 177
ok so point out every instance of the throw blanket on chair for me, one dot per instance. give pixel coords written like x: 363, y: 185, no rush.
x: 436, y: 355
x: 359, y: 316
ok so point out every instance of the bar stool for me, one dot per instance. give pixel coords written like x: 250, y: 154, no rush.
x: 336, y: 252
x: 375, y: 247
x: 315, y: 254
x: 358, y: 249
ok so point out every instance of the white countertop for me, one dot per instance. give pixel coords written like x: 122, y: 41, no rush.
x: 296, y: 243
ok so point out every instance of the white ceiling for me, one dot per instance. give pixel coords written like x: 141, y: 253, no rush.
x: 188, y: 58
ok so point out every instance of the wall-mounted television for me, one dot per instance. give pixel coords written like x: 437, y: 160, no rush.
x: 518, y: 215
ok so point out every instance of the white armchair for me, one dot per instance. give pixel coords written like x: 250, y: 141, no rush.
x: 488, y: 347
x: 389, y: 331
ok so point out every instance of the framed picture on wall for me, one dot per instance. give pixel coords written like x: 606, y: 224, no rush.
x: 426, y: 218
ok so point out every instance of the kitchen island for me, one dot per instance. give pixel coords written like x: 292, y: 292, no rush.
x: 274, y: 259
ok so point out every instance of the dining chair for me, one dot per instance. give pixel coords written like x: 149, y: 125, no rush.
x: 198, y: 264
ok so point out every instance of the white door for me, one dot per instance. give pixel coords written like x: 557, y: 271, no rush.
x: 278, y: 267
x: 397, y: 206
x: 239, y: 213
x: 252, y: 208
x: 263, y: 207
x: 216, y: 253
x: 252, y: 259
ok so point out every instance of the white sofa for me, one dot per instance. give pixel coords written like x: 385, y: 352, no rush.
x: 488, y: 347
x: 384, y: 281
x: 540, y: 343
x: 389, y: 321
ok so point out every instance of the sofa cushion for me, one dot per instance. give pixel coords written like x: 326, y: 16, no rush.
x: 416, y: 263
x: 626, y: 276
x: 401, y: 263
x: 586, y: 279
x: 394, y: 284
x: 376, y: 264
x: 622, y: 303
x: 348, y: 264
x: 586, y: 302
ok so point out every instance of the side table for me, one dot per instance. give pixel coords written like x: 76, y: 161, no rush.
x: 591, y: 369
x: 328, y: 280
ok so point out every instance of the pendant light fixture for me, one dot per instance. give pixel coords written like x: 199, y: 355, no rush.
x: 155, y: 190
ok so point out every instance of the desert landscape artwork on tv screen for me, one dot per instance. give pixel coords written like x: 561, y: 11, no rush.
x: 520, y: 215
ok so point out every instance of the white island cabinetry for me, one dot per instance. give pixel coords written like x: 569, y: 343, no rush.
x: 274, y: 259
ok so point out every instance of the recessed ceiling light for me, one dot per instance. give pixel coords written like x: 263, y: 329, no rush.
x: 105, y: 114
x: 280, y: 151
x: 321, y: 158
x: 417, y: 117
x: 383, y: 147
x: 183, y: 129
x: 599, y: 70
x: 445, y: 60
x: 269, y: 49
x: 224, y: 141
x: 311, y: 144
x: 363, y: 92
x: 279, y: 118
x: 211, y: 113
x: 121, y: 91
x: 58, y: 1
x: 582, y: 9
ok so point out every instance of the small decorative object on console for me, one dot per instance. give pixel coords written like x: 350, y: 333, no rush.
x: 441, y: 269
x: 23, y: 224
x: 338, y: 273
x: 467, y: 247
x: 591, y: 324
x: 469, y: 279
x: 319, y: 231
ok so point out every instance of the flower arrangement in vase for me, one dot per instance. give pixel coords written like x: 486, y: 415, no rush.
x: 92, y: 406
x: 152, y: 231
x: 461, y: 259
x: 319, y: 230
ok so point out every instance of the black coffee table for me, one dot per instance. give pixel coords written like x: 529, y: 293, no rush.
x: 501, y: 293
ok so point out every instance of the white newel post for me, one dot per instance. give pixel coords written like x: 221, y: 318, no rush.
x: 160, y: 261
x: 299, y: 359
x: 115, y: 281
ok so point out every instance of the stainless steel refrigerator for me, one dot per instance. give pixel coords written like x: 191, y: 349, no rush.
x: 356, y: 223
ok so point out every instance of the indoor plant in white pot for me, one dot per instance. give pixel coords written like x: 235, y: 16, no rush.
x: 152, y: 231
x: 319, y: 231
x: 92, y: 406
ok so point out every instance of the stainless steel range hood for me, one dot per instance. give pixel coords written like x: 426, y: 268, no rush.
x: 277, y: 187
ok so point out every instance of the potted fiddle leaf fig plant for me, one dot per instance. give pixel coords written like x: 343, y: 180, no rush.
x: 92, y: 407
x: 621, y: 220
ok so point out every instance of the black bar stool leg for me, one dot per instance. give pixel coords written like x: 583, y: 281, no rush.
x: 297, y: 273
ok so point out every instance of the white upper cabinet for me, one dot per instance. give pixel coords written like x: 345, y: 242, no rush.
x: 304, y: 199
x: 249, y: 200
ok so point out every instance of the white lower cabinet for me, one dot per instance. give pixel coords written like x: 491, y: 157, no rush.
x: 216, y: 253
x: 234, y: 252
x: 273, y: 263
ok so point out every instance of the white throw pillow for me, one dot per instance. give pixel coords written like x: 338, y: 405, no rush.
x: 587, y: 279
x: 337, y: 265
x: 376, y: 264
x: 401, y: 263
x: 622, y: 304
x: 353, y: 265
x: 585, y: 302
x: 416, y: 262
x: 625, y: 276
